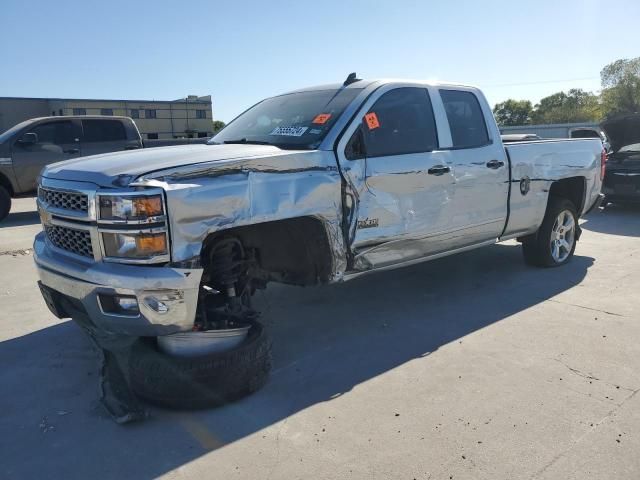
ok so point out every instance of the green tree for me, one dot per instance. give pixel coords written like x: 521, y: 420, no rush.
x: 576, y: 105
x: 218, y: 125
x: 621, y: 87
x: 513, y: 112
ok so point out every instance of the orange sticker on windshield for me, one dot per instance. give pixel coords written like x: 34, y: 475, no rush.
x: 372, y: 120
x: 322, y: 118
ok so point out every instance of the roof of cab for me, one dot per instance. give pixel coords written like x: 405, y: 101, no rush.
x: 360, y: 84
x: 81, y: 117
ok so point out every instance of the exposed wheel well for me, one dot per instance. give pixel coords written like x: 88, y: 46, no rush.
x: 4, y: 181
x: 294, y: 251
x: 572, y: 189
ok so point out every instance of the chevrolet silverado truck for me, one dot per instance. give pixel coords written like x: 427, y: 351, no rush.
x: 319, y: 185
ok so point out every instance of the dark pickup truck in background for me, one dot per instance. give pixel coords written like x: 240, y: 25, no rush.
x: 28, y: 147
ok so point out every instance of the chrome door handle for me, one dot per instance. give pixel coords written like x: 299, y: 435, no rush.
x: 72, y: 150
x: 495, y: 164
x: 438, y: 170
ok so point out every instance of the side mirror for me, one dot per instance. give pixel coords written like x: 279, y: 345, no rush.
x: 29, y: 139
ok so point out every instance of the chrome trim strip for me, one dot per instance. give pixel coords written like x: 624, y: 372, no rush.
x: 146, y: 221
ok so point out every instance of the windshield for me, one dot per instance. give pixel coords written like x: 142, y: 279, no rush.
x: 295, y: 121
x: 9, y: 133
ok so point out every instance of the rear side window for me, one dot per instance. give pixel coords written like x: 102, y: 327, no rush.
x: 400, y: 122
x: 55, y: 132
x: 466, y: 120
x: 103, y: 131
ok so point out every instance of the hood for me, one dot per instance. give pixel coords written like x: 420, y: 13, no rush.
x: 118, y: 169
x: 622, y: 131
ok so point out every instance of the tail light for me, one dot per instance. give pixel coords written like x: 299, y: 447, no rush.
x: 603, y: 163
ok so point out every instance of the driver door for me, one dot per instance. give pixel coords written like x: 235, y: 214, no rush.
x: 400, y: 184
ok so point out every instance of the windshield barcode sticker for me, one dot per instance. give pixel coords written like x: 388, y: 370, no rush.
x: 289, y: 131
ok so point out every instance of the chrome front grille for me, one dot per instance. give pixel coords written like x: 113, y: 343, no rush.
x: 70, y: 239
x: 76, y: 202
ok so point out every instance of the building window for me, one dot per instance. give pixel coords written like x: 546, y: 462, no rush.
x: 79, y: 111
x: 135, y: 113
x: 150, y: 114
x: 152, y: 136
x: 53, y: 113
x: 201, y: 114
x: 106, y: 111
x: 60, y: 112
x: 202, y: 135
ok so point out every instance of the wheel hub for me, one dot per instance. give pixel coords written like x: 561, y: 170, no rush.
x: 563, y: 236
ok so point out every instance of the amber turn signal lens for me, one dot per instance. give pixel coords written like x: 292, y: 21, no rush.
x: 148, y: 206
x: 154, y: 244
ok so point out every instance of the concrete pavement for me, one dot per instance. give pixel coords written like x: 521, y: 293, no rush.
x: 468, y: 367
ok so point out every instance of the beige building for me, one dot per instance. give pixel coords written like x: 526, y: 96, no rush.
x: 190, y: 117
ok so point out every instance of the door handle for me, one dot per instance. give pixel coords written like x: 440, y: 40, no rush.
x: 495, y: 164
x: 72, y: 150
x: 438, y: 170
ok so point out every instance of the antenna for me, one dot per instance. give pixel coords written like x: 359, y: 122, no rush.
x: 351, y: 79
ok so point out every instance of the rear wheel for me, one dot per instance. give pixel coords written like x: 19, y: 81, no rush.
x: 5, y: 203
x: 555, y: 241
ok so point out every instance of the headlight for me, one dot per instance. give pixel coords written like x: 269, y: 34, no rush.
x: 130, y: 207
x: 134, y: 245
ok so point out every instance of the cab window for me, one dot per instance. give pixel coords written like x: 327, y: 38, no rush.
x: 466, y: 120
x: 400, y: 122
x: 57, y: 133
x: 103, y: 131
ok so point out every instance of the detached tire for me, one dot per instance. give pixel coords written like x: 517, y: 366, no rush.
x: 5, y: 203
x: 555, y: 241
x: 200, y: 382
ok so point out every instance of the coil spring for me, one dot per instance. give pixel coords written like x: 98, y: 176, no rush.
x: 226, y: 261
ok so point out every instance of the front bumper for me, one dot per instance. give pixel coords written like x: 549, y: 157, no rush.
x: 75, y: 285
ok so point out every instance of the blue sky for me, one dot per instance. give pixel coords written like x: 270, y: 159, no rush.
x: 242, y: 51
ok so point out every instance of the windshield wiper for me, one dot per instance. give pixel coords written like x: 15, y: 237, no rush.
x: 248, y: 142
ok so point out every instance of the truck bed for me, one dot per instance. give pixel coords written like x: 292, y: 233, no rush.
x: 538, y: 163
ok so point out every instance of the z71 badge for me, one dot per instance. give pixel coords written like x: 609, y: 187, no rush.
x: 368, y: 223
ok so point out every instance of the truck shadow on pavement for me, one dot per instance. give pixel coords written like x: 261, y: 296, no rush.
x: 327, y: 341
x: 20, y: 219
x: 623, y: 220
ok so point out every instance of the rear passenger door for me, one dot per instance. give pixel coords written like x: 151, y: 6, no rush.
x: 481, y: 169
x: 400, y: 182
x: 104, y: 135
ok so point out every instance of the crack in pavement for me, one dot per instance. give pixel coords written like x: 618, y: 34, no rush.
x: 587, y: 308
x: 584, y: 435
x: 589, y: 376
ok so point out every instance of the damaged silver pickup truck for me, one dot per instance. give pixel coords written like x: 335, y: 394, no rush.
x: 320, y: 185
